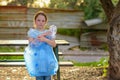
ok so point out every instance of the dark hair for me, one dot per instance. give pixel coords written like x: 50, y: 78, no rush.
x: 40, y: 13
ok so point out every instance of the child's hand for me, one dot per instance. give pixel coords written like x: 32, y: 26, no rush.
x: 32, y: 40
x: 42, y: 38
x: 45, y: 34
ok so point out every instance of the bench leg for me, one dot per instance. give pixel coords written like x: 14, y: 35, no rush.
x: 57, y: 56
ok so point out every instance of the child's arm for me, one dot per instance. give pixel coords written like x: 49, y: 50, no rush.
x: 45, y: 34
x: 53, y: 30
x: 49, y: 41
x: 43, y: 38
x: 31, y: 40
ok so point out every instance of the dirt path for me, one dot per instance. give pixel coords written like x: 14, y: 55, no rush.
x: 67, y: 73
x: 75, y: 42
x: 90, y: 58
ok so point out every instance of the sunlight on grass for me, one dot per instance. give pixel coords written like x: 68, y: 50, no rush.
x: 103, y: 62
x: 11, y: 49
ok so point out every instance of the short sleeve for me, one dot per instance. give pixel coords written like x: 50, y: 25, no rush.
x: 32, y: 33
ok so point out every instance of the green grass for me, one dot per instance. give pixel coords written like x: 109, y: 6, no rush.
x: 69, y: 32
x: 11, y: 57
x: 7, y: 49
x: 10, y: 49
x: 103, y: 62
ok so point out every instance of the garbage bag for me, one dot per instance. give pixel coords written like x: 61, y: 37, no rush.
x: 39, y: 56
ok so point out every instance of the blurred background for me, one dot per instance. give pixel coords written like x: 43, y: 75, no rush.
x: 82, y: 22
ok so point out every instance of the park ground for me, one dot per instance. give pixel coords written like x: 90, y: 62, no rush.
x: 67, y: 73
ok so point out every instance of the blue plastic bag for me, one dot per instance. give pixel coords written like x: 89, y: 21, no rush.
x: 39, y: 56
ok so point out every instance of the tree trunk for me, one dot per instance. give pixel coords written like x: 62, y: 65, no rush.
x: 114, y: 45
x: 108, y: 8
x: 114, y: 49
x: 114, y: 42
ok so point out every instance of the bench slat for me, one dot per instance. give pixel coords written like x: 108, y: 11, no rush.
x: 23, y: 63
x: 11, y: 53
x: 70, y: 54
x: 25, y: 42
x: 16, y: 53
x: 66, y: 63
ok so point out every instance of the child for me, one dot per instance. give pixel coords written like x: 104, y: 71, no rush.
x: 39, y: 56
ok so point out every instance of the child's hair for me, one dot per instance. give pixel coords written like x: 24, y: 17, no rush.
x: 40, y: 13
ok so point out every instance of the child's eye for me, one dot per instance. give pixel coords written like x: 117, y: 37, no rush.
x: 38, y: 20
x: 43, y: 20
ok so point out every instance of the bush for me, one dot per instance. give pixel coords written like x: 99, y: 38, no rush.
x: 69, y: 32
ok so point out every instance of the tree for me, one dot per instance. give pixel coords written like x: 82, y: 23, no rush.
x: 91, y: 8
x: 113, y: 16
x: 18, y: 2
x: 64, y: 4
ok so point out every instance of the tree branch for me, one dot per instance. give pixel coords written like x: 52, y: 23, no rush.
x: 116, y: 13
x: 108, y: 8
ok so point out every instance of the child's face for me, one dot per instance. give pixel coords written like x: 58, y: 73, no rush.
x: 40, y: 22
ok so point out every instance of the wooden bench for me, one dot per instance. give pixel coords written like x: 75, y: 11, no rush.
x: 25, y: 43
x: 14, y: 27
x: 16, y: 62
x: 21, y: 63
x: 70, y: 54
x: 17, y: 53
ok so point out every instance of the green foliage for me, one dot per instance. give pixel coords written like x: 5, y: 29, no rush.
x: 63, y: 4
x: 84, y: 48
x: 11, y: 57
x: 11, y: 49
x: 6, y: 49
x: 115, y: 2
x: 104, y: 47
x: 104, y: 72
x: 103, y: 62
x: 91, y: 8
x: 18, y: 2
x: 69, y: 32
